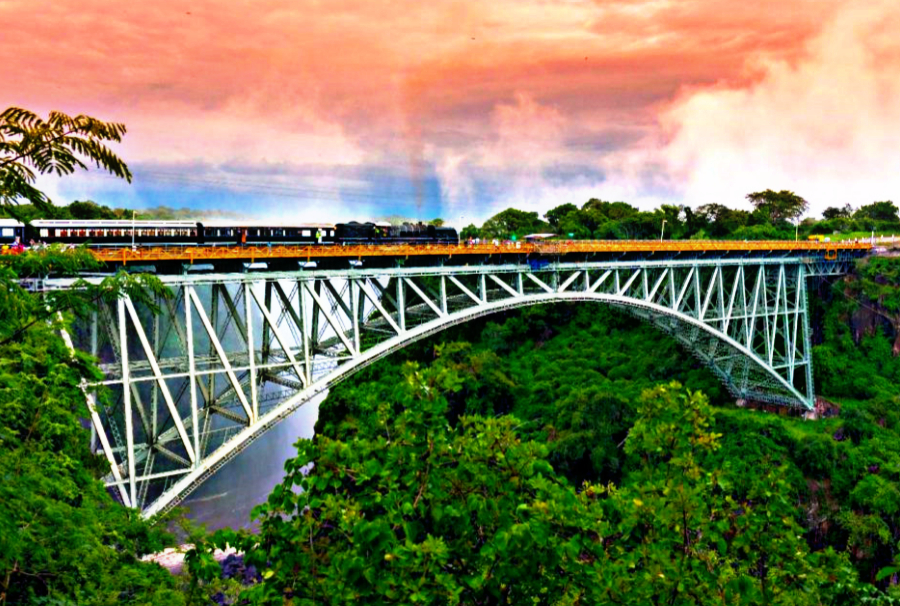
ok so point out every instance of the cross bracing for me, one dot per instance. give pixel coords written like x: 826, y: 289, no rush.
x: 230, y: 355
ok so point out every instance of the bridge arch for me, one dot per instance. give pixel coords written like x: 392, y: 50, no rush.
x: 748, y: 322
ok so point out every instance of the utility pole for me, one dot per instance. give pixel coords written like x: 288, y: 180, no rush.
x: 133, y: 247
x: 662, y: 231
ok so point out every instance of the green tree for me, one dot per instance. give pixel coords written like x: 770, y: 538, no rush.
x: 719, y: 221
x: 414, y: 511
x: 59, y: 145
x: 512, y: 222
x: 612, y: 211
x: 692, y: 537
x: 579, y: 223
x: 89, y: 210
x: 878, y: 211
x: 557, y: 214
x: 778, y: 205
x: 834, y: 212
x: 586, y: 431
x: 62, y: 538
x: 469, y: 231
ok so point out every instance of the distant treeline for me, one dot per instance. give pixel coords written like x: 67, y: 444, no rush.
x: 776, y: 216
x: 89, y: 210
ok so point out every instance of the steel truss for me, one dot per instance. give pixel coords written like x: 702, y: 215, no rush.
x: 230, y: 355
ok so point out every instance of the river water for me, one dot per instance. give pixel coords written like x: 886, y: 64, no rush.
x: 226, y: 498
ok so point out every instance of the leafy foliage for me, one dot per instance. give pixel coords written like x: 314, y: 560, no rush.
x: 413, y: 511
x: 800, y: 507
x: 778, y: 205
x: 878, y: 211
x: 30, y: 145
x: 512, y: 222
x: 22, y: 311
x: 62, y: 538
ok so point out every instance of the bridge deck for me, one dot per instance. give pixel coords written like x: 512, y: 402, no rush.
x: 193, y: 254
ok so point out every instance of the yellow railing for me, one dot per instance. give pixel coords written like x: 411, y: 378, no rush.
x: 193, y: 254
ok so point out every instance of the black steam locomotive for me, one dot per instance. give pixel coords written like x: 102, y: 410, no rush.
x: 220, y: 233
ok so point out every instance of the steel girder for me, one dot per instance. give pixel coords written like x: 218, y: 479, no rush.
x: 230, y: 355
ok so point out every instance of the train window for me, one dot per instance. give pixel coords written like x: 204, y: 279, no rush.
x: 7, y: 232
x: 330, y: 232
x: 306, y: 233
x: 45, y: 233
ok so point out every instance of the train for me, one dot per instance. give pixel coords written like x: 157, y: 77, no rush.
x: 116, y: 234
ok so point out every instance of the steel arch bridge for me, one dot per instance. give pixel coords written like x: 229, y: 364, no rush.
x: 232, y: 354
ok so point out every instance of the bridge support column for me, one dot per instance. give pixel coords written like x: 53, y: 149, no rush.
x: 401, y: 305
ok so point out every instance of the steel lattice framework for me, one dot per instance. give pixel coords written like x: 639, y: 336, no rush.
x: 232, y: 354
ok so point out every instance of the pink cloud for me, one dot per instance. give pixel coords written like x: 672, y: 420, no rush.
x: 466, y: 90
x: 826, y: 125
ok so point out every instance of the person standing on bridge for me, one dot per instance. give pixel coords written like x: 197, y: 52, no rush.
x: 318, y: 236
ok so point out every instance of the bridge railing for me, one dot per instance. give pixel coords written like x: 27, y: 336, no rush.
x: 254, y: 253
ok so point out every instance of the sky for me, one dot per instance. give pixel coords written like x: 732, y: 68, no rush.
x: 333, y: 110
